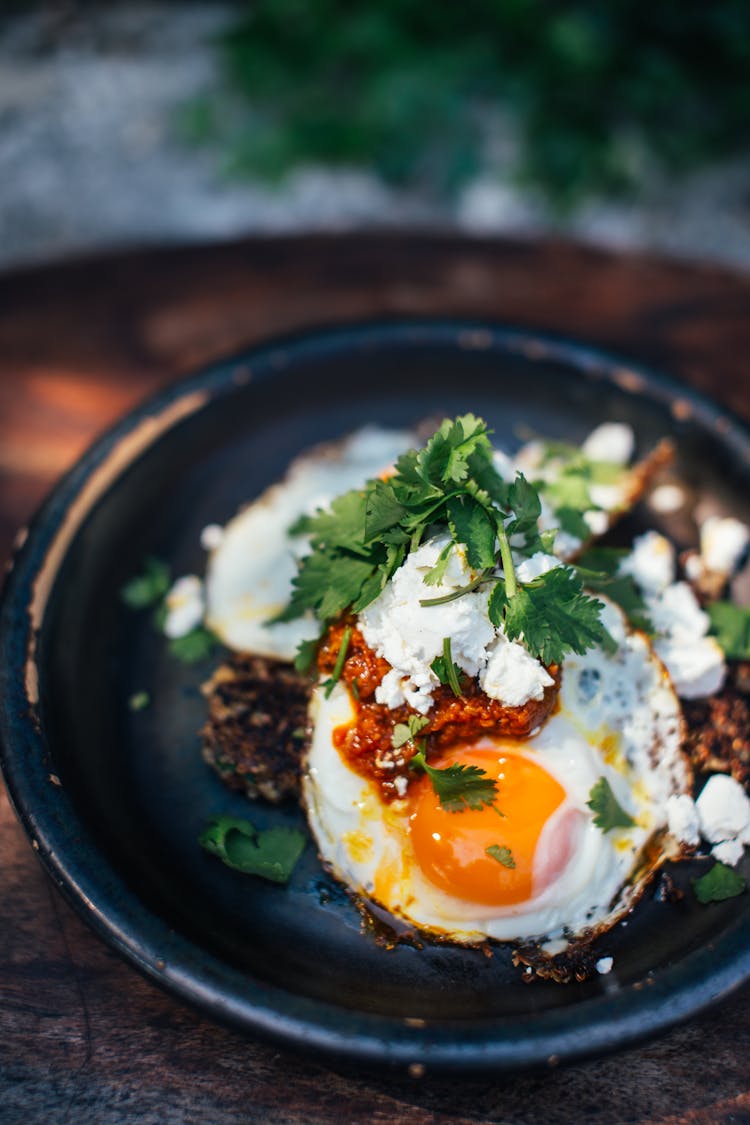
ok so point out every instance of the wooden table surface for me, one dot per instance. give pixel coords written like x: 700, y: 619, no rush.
x: 83, y: 1038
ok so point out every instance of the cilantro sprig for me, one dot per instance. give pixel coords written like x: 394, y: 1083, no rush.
x: 459, y: 787
x: 730, y: 624
x: 567, y: 489
x: 719, y: 883
x: 450, y: 484
x: 608, y: 812
x: 502, y: 854
x: 272, y: 853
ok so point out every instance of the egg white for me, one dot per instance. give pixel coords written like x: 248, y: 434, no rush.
x: 618, y: 718
x: 249, y: 574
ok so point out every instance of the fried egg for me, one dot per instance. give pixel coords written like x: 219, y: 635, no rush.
x: 250, y: 572
x: 534, y: 865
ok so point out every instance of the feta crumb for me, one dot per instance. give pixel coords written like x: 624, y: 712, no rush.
x: 410, y: 636
x: 400, y: 784
x: 696, y: 665
x: 389, y: 691
x: 512, y: 675
x: 612, y: 441
x: 651, y: 562
x: 604, y: 965
x: 676, y: 612
x: 667, y: 498
x: 597, y: 521
x: 724, y: 810
x: 682, y: 819
x: 538, y: 564
x: 723, y: 544
x: 211, y: 536
x: 185, y: 606
x: 728, y: 851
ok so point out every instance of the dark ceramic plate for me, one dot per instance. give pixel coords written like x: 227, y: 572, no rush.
x: 114, y: 801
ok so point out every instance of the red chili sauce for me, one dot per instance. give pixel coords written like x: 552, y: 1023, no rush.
x: 366, y: 743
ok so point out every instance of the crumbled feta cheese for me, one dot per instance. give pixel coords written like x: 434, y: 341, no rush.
x: 604, y: 965
x: 667, y: 498
x: 728, y: 851
x: 606, y: 496
x: 389, y: 691
x: 724, y: 810
x: 696, y: 665
x: 410, y: 636
x: 676, y: 612
x: 596, y: 521
x: 682, y: 819
x: 651, y: 562
x: 538, y: 564
x: 211, y: 536
x: 400, y: 784
x: 185, y: 606
x: 612, y: 441
x: 512, y: 675
x: 723, y: 544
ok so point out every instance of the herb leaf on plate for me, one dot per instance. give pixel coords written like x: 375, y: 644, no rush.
x: 272, y: 853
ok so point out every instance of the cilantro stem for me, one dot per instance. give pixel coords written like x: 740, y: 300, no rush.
x: 459, y: 593
x: 450, y: 667
x: 339, y: 665
x: 509, y: 572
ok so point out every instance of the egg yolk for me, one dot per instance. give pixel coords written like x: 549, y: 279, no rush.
x: 455, y: 849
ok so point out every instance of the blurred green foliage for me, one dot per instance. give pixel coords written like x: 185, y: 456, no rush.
x: 595, y: 89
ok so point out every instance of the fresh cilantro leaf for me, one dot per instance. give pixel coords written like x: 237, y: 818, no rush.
x: 553, y: 616
x: 194, y: 646
x: 305, y: 655
x: 497, y: 604
x: 720, y: 883
x: 382, y: 509
x: 604, y: 472
x: 569, y: 490
x: 445, y: 670
x: 459, y: 787
x: 338, y: 667
x: 435, y: 576
x: 730, y: 624
x: 471, y: 524
x: 502, y: 854
x: 445, y: 457
x: 148, y: 587
x: 326, y: 583
x: 405, y: 732
x: 523, y: 500
x: 139, y: 701
x: 272, y: 853
x: 609, y: 813
x: 339, y: 525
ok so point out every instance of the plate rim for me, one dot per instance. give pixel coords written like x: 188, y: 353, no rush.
x: 65, y: 845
